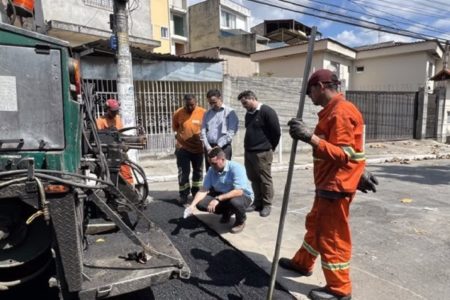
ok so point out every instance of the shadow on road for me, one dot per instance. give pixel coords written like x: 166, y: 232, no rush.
x: 429, y: 175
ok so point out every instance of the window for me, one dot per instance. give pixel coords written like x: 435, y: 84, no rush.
x: 164, y: 32
x: 105, y: 4
x: 360, y: 69
x: 335, y: 67
x: 448, y: 117
x: 178, y: 25
x: 430, y: 71
x: 227, y: 20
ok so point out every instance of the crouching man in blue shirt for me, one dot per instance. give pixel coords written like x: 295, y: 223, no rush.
x: 225, y: 190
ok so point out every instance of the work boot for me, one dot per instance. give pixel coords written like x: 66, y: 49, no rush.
x: 287, y: 263
x: 253, y: 207
x: 183, y: 200
x: 238, y: 226
x: 226, y: 217
x: 265, y: 211
x: 325, y: 294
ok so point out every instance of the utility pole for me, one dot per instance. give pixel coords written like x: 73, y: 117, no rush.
x: 125, y: 88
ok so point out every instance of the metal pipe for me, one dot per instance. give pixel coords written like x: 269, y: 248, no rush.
x: 287, y: 187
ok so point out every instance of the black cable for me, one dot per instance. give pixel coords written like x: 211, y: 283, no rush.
x: 376, y: 26
x: 379, y: 17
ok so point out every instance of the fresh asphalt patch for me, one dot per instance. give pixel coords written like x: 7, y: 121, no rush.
x: 218, y: 271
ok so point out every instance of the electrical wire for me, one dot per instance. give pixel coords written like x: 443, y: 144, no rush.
x: 366, y: 13
x: 359, y: 23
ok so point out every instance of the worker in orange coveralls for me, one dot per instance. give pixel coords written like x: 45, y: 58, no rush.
x: 339, y: 165
x: 112, y: 120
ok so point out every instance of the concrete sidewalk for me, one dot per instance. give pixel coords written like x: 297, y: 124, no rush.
x: 258, y: 239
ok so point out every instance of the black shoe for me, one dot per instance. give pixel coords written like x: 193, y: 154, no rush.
x: 237, y: 227
x: 252, y: 208
x: 183, y: 200
x: 265, y: 211
x: 287, y: 263
x: 226, y: 217
x: 325, y: 294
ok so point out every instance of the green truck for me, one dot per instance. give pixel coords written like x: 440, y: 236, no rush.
x: 65, y: 210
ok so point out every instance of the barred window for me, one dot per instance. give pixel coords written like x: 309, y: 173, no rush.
x: 105, y: 4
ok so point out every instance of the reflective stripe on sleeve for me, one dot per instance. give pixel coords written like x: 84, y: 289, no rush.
x: 353, y: 155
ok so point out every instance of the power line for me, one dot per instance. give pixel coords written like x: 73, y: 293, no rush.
x: 372, y: 25
x: 426, y: 27
x: 359, y: 21
x: 414, y: 6
x: 405, y: 9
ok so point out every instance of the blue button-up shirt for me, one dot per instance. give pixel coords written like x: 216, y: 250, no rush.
x: 219, y: 127
x: 232, y: 177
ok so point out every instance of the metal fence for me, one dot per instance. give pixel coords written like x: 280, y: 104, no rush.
x: 388, y: 115
x: 156, y: 102
x: 432, y: 116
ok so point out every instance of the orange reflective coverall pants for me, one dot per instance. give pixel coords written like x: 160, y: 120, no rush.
x: 328, y: 235
x: 338, y: 164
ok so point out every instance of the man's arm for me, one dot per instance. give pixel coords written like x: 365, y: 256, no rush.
x: 273, y: 125
x: 201, y: 194
x: 232, y: 127
x: 203, y: 136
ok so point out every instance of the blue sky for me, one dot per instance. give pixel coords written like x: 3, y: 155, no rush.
x: 420, y: 16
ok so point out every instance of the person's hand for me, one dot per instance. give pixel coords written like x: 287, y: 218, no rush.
x: 299, y: 131
x: 212, y: 205
x: 367, y: 182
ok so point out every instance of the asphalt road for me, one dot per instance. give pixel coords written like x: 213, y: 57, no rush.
x: 400, y: 235
x: 218, y: 271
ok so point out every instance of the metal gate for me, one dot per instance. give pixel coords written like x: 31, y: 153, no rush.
x: 388, y: 115
x: 432, y: 116
x: 155, y: 104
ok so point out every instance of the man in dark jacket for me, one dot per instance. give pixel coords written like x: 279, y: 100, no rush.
x: 262, y: 136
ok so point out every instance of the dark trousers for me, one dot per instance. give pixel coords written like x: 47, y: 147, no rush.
x: 259, y: 171
x: 226, y: 148
x: 236, y: 205
x: 184, y: 161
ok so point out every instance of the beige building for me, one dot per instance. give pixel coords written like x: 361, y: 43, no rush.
x: 382, y: 67
x: 290, y: 61
x: 396, y: 66
x: 179, y: 35
x: 220, y: 23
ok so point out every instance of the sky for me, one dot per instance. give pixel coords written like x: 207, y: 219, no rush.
x: 418, y: 16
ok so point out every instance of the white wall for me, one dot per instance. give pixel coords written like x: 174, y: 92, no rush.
x: 76, y: 12
x: 290, y: 66
x: 345, y: 65
x: 406, y: 72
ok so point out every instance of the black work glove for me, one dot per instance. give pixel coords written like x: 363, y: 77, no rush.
x: 367, y: 182
x: 299, y: 131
